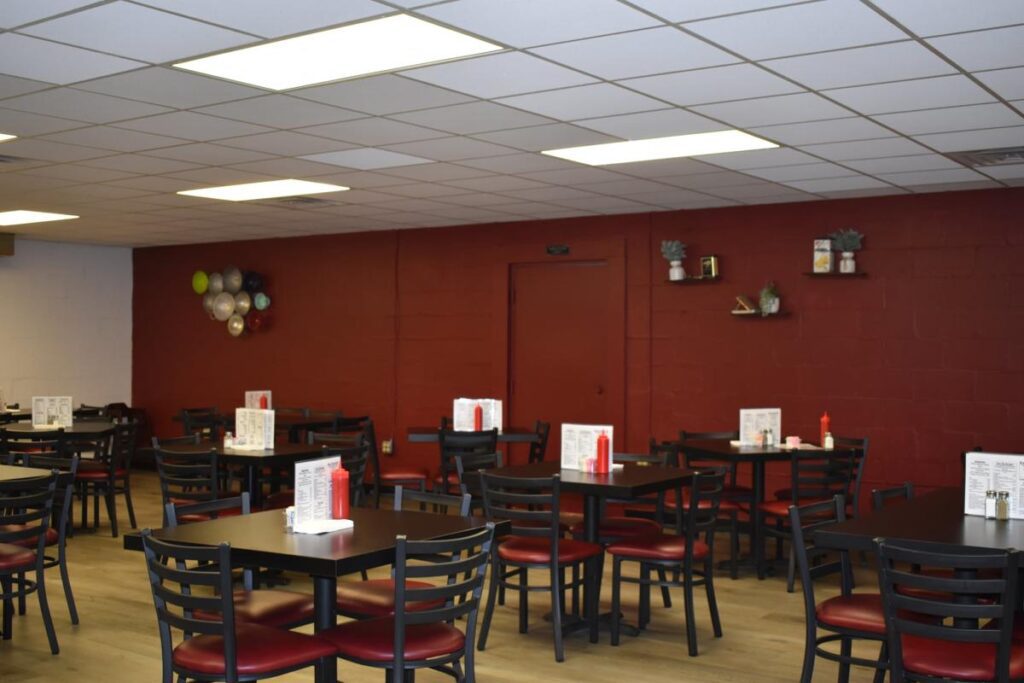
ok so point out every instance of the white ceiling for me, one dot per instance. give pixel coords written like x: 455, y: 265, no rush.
x: 865, y: 97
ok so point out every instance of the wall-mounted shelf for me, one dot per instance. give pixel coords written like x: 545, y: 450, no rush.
x: 695, y: 280
x: 838, y: 276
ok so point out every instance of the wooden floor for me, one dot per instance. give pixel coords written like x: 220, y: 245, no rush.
x: 117, y: 638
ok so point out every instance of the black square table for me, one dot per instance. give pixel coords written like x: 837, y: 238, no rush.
x: 508, y: 435
x: 260, y: 539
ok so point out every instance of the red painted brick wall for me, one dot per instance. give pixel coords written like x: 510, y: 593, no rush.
x: 923, y: 355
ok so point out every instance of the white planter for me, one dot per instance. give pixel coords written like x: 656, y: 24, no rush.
x: 675, y: 271
x: 846, y: 264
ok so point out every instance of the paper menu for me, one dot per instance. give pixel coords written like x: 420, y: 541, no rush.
x: 313, y: 489
x: 252, y: 399
x: 52, y: 411
x: 254, y: 429
x: 579, y: 442
x: 993, y: 472
x: 753, y: 421
x: 462, y: 413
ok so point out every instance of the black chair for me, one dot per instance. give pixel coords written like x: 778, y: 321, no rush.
x: 881, y: 497
x: 26, y: 508
x: 452, y: 444
x: 207, y: 422
x: 689, y: 555
x: 354, y: 454
x: 844, y: 618
x: 954, y: 627
x: 186, y: 478
x: 468, y: 468
x: 535, y: 542
x: 172, y: 441
x: 414, y: 639
x: 110, y: 475
x: 539, y: 448
x: 217, y: 647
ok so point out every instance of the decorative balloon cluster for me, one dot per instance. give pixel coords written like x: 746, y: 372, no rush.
x: 235, y: 298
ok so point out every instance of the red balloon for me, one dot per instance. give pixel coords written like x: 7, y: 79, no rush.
x: 255, y: 321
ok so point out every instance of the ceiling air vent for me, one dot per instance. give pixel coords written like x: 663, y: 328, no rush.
x: 989, y: 157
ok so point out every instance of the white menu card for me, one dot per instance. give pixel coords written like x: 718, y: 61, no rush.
x: 313, y: 490
x: 252, y: 399
x: 52, y: 411
x: 753, y: 421
x: 462, y: 413
x: 993, y: 472
x: 254, y: 429
x: 579, y: 442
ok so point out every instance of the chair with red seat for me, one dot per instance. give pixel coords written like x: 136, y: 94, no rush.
x: 535, y: 542
x: 414, y: 638
x: 108, y: 475
x: 452, y: 444
x: 860, y: 447
x: 219, y: 647
x: 688, y: 554
x: 186, y: 478
x: 935, y: 637
x: 845, y: 618
x: 26, y: 507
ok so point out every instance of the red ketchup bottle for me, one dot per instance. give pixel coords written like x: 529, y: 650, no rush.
x: 478, y: 418
x: 263, y: 401
x: 339, y: 493
x: 826, y: 427
x: 603, y: 463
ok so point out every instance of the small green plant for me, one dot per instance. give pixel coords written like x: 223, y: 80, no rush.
x: 768, y: 299
x: 673, y: 250
x: 846, y: 239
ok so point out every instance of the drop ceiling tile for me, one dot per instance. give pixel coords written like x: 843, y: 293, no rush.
x: 758, y: 158
x: 837, y: 184
x: 81, y: 174
x: 508, y: 73
x: 637, y: 53
x: 44, y: 150
x: 281, y: 111
x: 1008, y: 83
x: 273, y: 18
x: 11, y: 86
x: 137, y: 32
x: 580, y: 175
x: 768, y: 111
x: 865, y: 149
x: 676, y: 11
x: 425, y: 190
x: 381, y: 95
x: 974, y: 139
x: 926, y: 93
x: 366, y: 159
x: 553, y: 136
x: 286, y: 143
x: 82, y: 106
x: 756, y: 191
x: 192, y: 126
x: 548, y: 194
x: 953, y: 119
x: 114, y: 139
x: 518, y: 163
x: 625, y: 186
x: 834, y: 130
x: 718, y: 84
x: 670, y: 170
x: 477, y: 199
x: 452, y: 149
x: 675, y: 198
x: 522, y: 23
x: 17, y: 12
x: 139, y: 163
x: 472, y: 117
x: 652, y: 124
x: 169, y: 87
x: 585, y: 101
x: 25, y: 124
x: 1008, y: 172
x: 286, y: 168
x: 801, y: 172
x: 953, y: 175
x: 495, y: 183
x: 862, y: 65
x: 360, y: 179
x: 208, y: 154
x: 605, y: 204
x: 798, y: 29
x: 42, y: 60
x: 982, y: 50
x: 932, y: 17
x: 916, y: 162
x: 153, y: 183
x: 371, y: 132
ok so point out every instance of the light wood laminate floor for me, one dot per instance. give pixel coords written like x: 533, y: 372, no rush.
x: 117, y: 637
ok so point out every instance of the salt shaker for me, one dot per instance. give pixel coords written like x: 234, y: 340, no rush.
x: 830, y: 442
x: 990, y: 504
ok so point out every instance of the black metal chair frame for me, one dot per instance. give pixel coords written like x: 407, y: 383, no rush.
x: 118, y: 459
x: 441, y: 502
x: 187, y: 476
x: 539, y: 448
x: 453, y: 443
x: 879, y: 497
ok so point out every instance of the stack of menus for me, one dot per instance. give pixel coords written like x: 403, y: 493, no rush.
x: 579, y: 442
x: 51, y: 411
x: 993, y: 472
x: 254, y: 429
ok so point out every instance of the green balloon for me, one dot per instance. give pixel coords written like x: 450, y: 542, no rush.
x: 200, y: 282
x: 261, y: 301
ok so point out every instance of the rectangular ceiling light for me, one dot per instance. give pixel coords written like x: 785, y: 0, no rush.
x: 368, y: 47
x: 263, y: 190
x: 23, y: 217
x: 670, y: 147
x: 4, y: 137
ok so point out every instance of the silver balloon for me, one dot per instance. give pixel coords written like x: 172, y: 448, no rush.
x: 243, y: 302
x: 232, y: 279
x: 208, y: 299
x: 236, y: 325
x: 223, y: 306
x: 216, y: 284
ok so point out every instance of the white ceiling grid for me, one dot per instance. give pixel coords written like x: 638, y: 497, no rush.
x: 865, y: 97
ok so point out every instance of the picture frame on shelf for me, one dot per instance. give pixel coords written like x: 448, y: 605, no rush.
x: 709, y: 266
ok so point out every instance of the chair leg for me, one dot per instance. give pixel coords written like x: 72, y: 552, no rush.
x: 83, y: 493
x: 807, y: 672
x: 62, y: 563
x: 492, y: 594
x: 691, y: 619
x: 112, y: 510
x: 128, y: 502
x: 645, y: 596
x: 734, y: 545
x: 7, y: 586
x: 709, y: 588
x: 791, y: 573
x: 576, y: 590
x: 23, y: 598
x: 594, y: 569
x: 556, y: 616
x: 95, y: 507
x: 845, y: 649
x: 616, y: 599
x: 666, y: 597
x: 44, y: 608
x: 524, y: 601
x: 883, y: 659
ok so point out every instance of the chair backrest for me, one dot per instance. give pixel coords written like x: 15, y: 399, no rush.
x: 84, y: 411
x: 180, y: 588
x: 919, y: 604
x: 354, y: 458
x: 187, y: 477
x: 881, y: 497
x: 172, y: 441
x: 353, y: 426
x: 440, y: 501
x: 68, y: 466
x: 810, y: 559
x: 530, y: 504
x: 698, y: 524
x: 122, y: 446
x: 15, y: 450
x: 213, y: 508
x: 469, y: 465
x: 299, y: 412
x: 539, y: 448
x: 860, y: 462
x: 820, y: 475
x: 667, y: 450
x: 26, y: 507
x: 453, y: 443
x: 206, y: 422
x: 462, y: 564
x: 95, y: 446
x: 696, y: 462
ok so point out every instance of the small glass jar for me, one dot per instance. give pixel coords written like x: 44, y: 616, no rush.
x: 990, y: 504
x: 1003, y: 506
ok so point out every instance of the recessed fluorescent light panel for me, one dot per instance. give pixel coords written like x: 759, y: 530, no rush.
x: 23, y: 217
x: 5, y: 137
x: 368, y: 47
x: 670, y: 147
x: 264, y: 190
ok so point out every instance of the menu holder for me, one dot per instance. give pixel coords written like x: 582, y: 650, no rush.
x: 993, y: 472
x: 462, y: 414
x: 754, y: 421
x: 49, y: 412
x: 254, y: 429
x: 579, y: 442
x: 313, y: 497
x: 252, y: 399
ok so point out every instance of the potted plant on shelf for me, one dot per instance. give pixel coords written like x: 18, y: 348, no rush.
x: 847, y: 241
x: 768, y: 301
x: 674, y: 252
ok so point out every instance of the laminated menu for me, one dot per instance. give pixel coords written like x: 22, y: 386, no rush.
x: 462, y: 413
x: 313, y: 497
x: 254, y: 429
x: 52, y: 411
x: 252, y: 399
x: 993, y: 472
x: 579, y: 442
x: 754, y: 421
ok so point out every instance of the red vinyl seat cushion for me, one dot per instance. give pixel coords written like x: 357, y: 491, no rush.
x: 860, y: 611
x: 536, y: 550
x: 620, y: 527
x: 51, y: 536
x: 376, y: 598
x: 666, y: 548
x: 959, y: 661
x: 277, y: 608
x: 98, y: 474
x: 400, y: 473
x: 261, y: 649
x: 780, y: 508
x: 453, y: 479
x: 374, y: 640
x: 13, y: 557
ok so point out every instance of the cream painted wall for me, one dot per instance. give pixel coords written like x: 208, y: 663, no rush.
x: 66, y: 322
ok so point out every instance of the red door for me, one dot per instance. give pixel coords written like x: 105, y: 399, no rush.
x: 566, y: 353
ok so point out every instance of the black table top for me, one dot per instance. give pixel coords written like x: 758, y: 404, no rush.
x: 508, y: 435
x: 936, y: 517
x: 260, y: 538
x: 282, y: 451
x: 78, y: 428
x: 630, y: 482
x: 721, y: 449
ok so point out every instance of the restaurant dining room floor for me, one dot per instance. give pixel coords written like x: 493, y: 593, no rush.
x: 116, y: 639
